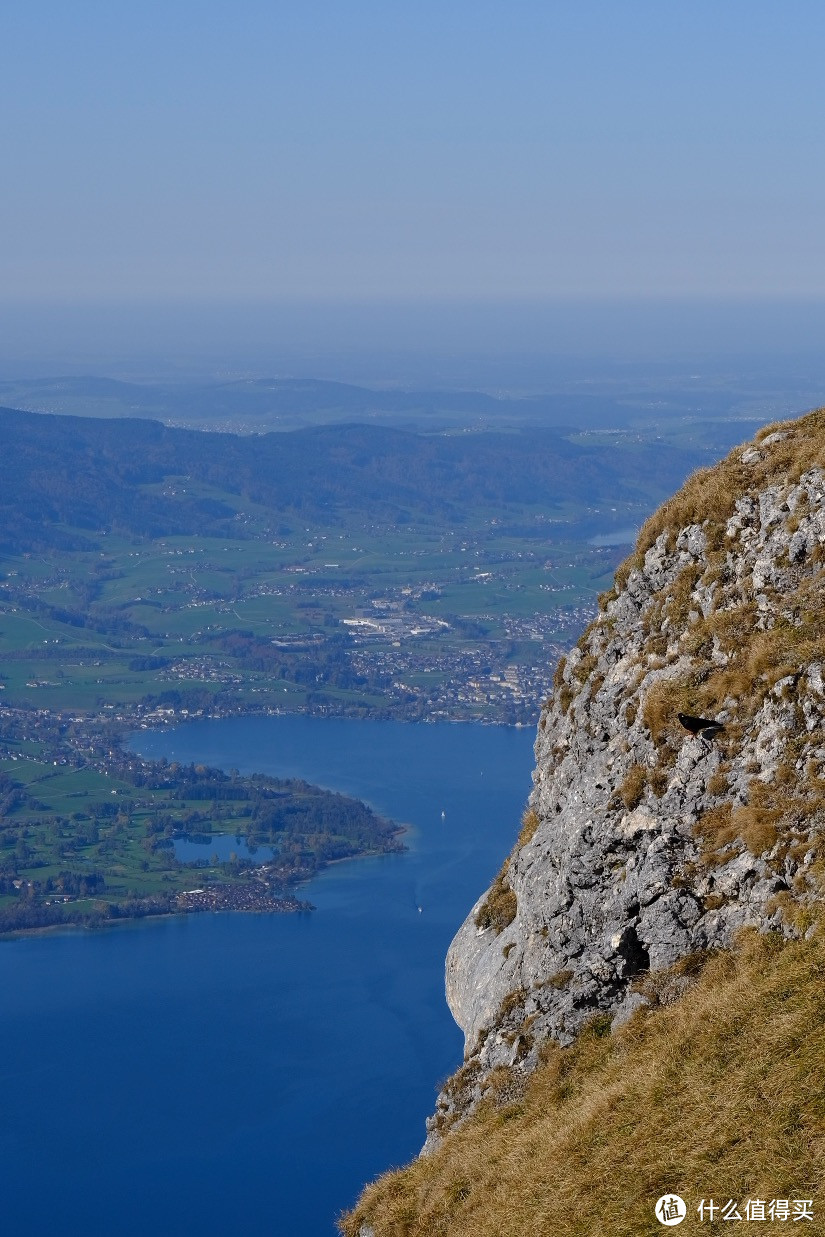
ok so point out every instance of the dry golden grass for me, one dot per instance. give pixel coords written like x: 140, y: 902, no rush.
x: 790, y: 809
x: 757, y: 661
x: 752, y: 661
x: 498, y: 909
x: 529, y: 824
x: 511, y: 1002
x: 561, y: 692
x: 665, y: 987
x: 711, y: 493
x: 585, y: 667
x: 633, y: 786
x: 755, y: 825
x: 661, y: 703
x: 708, y: 498
x: 718, y: 782
x: 720, y: 1094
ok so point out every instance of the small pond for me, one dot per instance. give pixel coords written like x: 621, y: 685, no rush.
x: 618, y: 536
x: 226, y: 846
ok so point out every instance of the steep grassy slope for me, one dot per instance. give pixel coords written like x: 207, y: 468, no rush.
x: 717, y: 1096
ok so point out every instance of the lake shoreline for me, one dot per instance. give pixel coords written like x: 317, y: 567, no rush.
x: 251, y: 1048
x: 281, y: 905
x: 104, y: 859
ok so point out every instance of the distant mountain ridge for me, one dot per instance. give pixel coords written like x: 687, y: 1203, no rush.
x: 288, y: 403
x: 64, y: 472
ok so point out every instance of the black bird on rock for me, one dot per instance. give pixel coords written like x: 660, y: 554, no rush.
x: 705, y: 727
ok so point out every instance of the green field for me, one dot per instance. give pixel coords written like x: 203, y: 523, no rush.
x: 87, y: 831
x: 150, y: 575
x: 318, y: 570
x: 158, y: 617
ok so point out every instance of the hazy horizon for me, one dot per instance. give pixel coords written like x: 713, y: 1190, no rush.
x: 460, y: 195
x: 518, y: 345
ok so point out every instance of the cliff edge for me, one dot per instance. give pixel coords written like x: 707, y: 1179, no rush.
x: 652, y: 945
x: 642, y: 843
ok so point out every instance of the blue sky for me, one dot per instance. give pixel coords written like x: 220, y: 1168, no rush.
x: 330, y: 151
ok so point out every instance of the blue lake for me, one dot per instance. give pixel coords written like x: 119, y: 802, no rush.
x: 224, y: 845
x: 619, y: 536
x: 214, y: 1074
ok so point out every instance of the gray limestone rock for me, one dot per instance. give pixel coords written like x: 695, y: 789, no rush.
x: 611, y: 886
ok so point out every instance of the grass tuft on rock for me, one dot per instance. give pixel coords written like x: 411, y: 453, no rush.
x: 498, y: 910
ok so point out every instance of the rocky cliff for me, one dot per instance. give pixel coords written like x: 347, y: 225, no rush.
x: 644, y: 846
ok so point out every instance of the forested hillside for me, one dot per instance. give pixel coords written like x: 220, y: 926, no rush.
x: 92, y: 474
